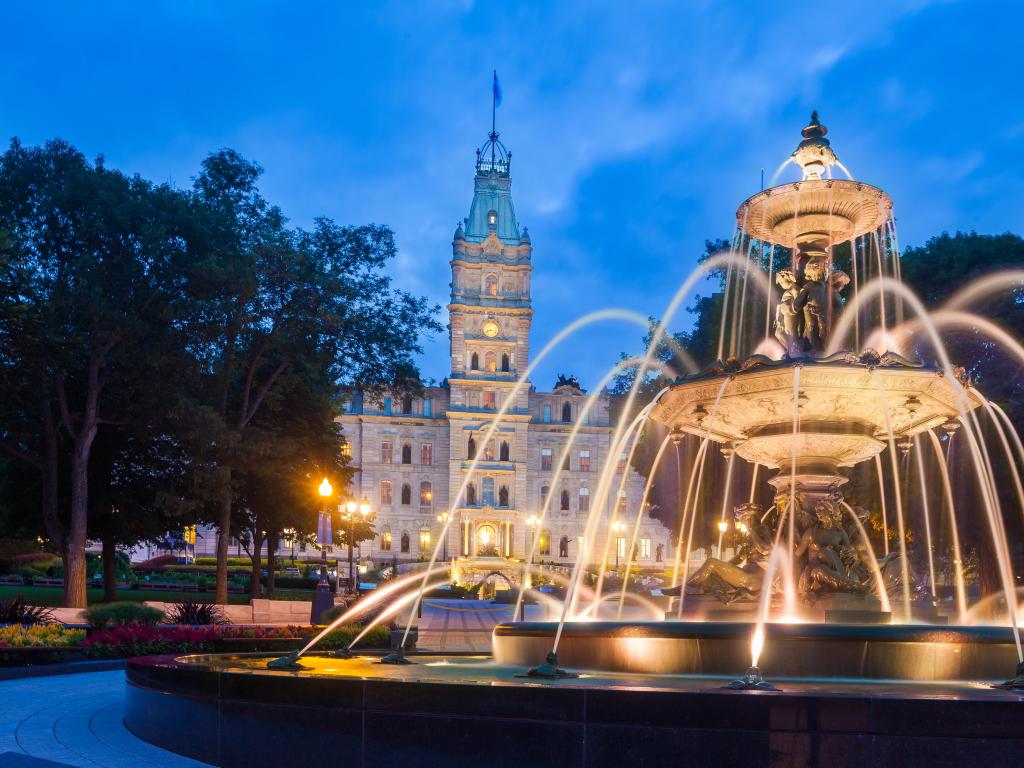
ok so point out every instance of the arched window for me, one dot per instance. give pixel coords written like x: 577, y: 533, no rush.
x: 471, y: 448
x: 385, y: 492
x: 406, y: 494
x: 566, y: 412
x: 505, y: 363
x: 544, y: 491
x: 407, y: 404
x: 385, y: 541
x: 545, y: 542
x: 565, y: 499
x: 491, y: 285
x: 503, y: 496
x: 474, y: 362
x: 426, y: 494
x: 405, y: 541
x: 503, y: 454
x: 584, y: 499
x: 471, y: 495
x: 407, y: 454
x: 490, y: 362
x: 563, y: 546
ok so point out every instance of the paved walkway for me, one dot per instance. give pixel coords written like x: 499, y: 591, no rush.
x: 73, y: 720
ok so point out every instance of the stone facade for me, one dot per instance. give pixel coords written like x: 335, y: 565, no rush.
x: 413, y: 455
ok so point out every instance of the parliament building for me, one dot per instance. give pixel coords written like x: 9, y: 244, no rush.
x: 411, y: 455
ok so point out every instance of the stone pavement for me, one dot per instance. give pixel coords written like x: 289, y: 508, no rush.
x: 73, y: 720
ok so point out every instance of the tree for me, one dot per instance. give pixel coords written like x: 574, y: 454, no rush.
x: 279, y: 300
x: 90, y: 269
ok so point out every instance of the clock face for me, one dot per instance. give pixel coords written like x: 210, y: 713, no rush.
x: 490, y: 328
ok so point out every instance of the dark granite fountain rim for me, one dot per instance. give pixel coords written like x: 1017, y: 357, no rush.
x: 683, y: 630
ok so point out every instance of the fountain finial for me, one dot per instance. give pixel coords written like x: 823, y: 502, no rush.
x: 814, y: 154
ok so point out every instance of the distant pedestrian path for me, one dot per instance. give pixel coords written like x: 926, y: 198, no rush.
x: 73, y: 720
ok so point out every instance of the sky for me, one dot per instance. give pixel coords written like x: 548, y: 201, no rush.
x: 636, y: 128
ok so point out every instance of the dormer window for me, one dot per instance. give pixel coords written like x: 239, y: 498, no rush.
x: 492, y: 219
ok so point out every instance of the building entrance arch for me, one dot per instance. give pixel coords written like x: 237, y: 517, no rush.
x: 486, y: 541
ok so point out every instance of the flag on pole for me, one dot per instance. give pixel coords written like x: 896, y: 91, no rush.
x: 324, y: 534
x: 497, y: 90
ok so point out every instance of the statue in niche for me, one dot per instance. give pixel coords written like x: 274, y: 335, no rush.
x: 742, y: 577
x: 788, y: 321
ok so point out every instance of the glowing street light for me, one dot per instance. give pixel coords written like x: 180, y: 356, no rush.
x: 322, y: 599
x: 351, y: 507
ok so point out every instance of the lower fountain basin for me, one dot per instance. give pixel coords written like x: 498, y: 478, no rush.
x: 818, y: 651
x: 455, y: 712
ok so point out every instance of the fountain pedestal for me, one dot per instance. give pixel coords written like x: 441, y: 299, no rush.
x: 847, y: 608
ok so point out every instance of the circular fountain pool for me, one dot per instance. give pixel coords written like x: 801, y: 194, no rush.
x: 470, y: 711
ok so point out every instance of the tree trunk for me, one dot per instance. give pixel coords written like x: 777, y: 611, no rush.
x: 74, y: 554
x: 223, y: 541
x: 109, y: 569
x: 257, y: 565
x: 271, y: 561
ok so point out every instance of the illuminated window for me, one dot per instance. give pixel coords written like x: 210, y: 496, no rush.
x: 490, y: 362
x: 620, y: 546
x: 489, y: 451
x: 385, y: 492
x: 545, y: 542
x: 491, y: 285
x: 426, y: 494
x: 645, y: 549
x: 492, y: 218
x: 489, y: 399
x: 386, y: 454
x: 426, y: 454
x: 424, y: 539
x: 584, y: 461
x: 385, y: 541
x: 346, y: 450
x: 584, y: 499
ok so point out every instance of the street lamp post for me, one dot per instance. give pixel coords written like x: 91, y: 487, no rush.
x: 443, y: 520
x: 322, y: 598
x: 351, y: 507
x: 618, y: 527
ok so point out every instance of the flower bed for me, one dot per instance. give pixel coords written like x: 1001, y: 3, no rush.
x: 38, y: 644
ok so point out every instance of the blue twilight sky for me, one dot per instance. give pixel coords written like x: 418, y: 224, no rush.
x: 636, y: 128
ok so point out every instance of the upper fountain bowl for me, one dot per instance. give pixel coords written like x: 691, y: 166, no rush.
x: 821, y: 211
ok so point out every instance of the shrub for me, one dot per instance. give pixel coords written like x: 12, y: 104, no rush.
x: 235, y: 632
x: 122, y: 614
x: 157, y: 562
x: 126, y: 641
x: 196, y: 614
x: 17, y: 611
x: 41, y: 636
x: 343, y: 636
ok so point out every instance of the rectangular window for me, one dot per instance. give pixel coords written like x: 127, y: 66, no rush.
x: 622, y: 464
x: 346, y: 450
x: 565, y: 463
x: 387, y: 406
x: 489, y: 400
x: 545, y: 459
x: 547, y: 414
x: 645, y: 549
x: 620, y: 546
x: 428, y: 408
x: 584, y: 461
x: 545, y: 543
x: 385, y: 492
x: 385, y: 541
x: 584, y: 499
x: 427, y: 454
x: 488, y: 486
x: 386, y: 452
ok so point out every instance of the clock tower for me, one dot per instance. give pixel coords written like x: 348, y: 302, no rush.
x: 489, y: 324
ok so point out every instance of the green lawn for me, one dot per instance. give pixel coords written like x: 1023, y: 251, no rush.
x: 54, y: 596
